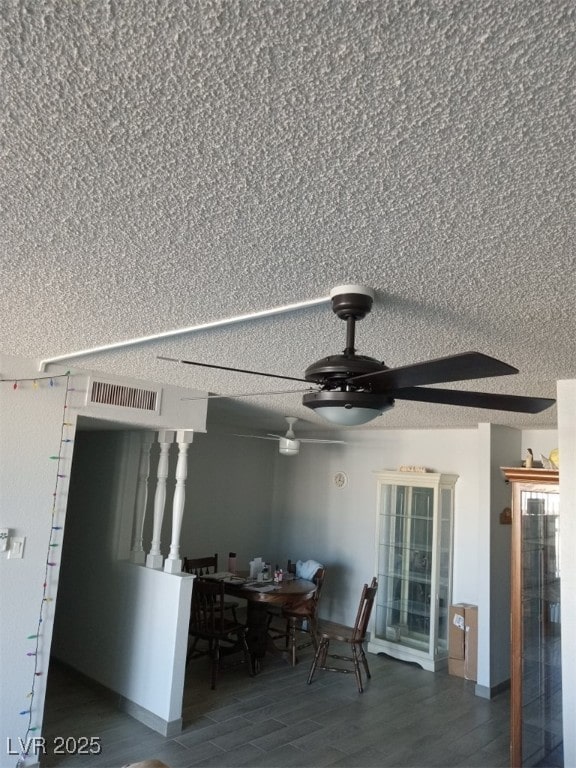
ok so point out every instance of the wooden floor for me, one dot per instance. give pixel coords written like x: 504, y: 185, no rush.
x: 405, y: 717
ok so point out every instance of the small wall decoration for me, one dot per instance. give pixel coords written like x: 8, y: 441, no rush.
x: 412, y: 468
x: 340, y: 479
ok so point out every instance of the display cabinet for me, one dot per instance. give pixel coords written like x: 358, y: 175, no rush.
x: 415, y: 512
x: 536, y: 669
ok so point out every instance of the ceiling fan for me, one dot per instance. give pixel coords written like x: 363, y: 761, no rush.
x: 353, y: 389
x: 289, y: 444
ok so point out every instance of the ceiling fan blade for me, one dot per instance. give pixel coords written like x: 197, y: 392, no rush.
x: 497, y: 402
x: 236, y: 395
x: 258, y: 437
x: 466, y: 365
x: 313, y: 440
x: 226, y: 368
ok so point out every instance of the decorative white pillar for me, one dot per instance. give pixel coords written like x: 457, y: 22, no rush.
x: 137, y: 554
x: 154, y: 559
x: 173, y: 562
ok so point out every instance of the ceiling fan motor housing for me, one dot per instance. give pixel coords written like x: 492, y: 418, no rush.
x: 334, y: 370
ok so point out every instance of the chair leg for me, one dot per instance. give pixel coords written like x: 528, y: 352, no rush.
x: 191, y: 649
x: 323, y: 647
x: 357, y: 672
x: 215, y: 663
x: 319, y: 656
x: 364, y: 662
x: 314, y: 631
x: 293, y: 641
x: 247, y: 655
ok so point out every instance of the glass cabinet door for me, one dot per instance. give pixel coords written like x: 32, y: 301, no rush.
x: 406, y: 562
x: 541, y: 695
x: 535, y: 664
x: 444, y: 589
x: 414, y: 564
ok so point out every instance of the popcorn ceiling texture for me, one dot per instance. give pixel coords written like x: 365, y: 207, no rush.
x: 170, y: 163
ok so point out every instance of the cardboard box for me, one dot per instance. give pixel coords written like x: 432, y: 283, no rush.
x: 463, y: 641
x: 456, y: 667
x: 456, y: 632
x: 471, y: 644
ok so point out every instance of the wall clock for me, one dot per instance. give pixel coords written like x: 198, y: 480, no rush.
x: 340, y: 479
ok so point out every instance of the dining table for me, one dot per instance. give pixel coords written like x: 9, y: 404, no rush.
x: 259, y: 597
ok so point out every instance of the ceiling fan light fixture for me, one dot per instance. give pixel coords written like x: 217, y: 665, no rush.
x: 289, y: 447
x: 348, y: 409
x: 348, y: 417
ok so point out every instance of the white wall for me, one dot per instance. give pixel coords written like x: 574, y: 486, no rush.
x: 541, y: 441
x: 33, y: 424
x: 31, y: 427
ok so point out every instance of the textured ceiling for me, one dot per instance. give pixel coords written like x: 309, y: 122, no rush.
x: 165, y: 164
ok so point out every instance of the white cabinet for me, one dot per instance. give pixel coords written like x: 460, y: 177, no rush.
x: 414, y: 564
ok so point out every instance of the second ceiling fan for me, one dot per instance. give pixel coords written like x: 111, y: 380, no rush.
x: 353, y: 389
x: 289, y: 444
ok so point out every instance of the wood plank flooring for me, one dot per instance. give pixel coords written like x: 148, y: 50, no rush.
x: 405, y: 717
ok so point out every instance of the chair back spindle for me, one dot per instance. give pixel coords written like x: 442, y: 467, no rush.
x: 364, y: 611
x: 201, y: 566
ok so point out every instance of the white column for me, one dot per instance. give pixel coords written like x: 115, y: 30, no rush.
x: 137, y: 554
x: 173, y: 562
x: 154, y: 559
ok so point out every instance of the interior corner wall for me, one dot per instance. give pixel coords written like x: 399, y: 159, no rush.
x: 34, y: 426
x: 567, y: 453
x: 498, y: 446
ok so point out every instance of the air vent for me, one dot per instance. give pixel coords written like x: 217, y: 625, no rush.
x: 106, y: 393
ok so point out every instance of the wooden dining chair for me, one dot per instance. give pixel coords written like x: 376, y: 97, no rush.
x: 204, y: 566
x: 201, y: 566
x: 354, y: 637
x: 208, y: 622
x: 303, y: 617
x: 298, y: 618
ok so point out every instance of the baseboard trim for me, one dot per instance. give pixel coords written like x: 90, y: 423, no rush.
x: 166, y: 728
x: 488, y: 692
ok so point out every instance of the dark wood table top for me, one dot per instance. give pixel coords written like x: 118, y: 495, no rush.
x: 284, y: 593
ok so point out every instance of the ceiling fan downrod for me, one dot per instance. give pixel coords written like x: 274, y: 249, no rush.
x: 351, y: 303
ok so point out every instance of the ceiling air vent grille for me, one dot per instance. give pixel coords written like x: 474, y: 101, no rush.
x: 106, y: 393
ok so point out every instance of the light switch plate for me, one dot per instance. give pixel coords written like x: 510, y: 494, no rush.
x: 16, y: 547
x: 4, y: 534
